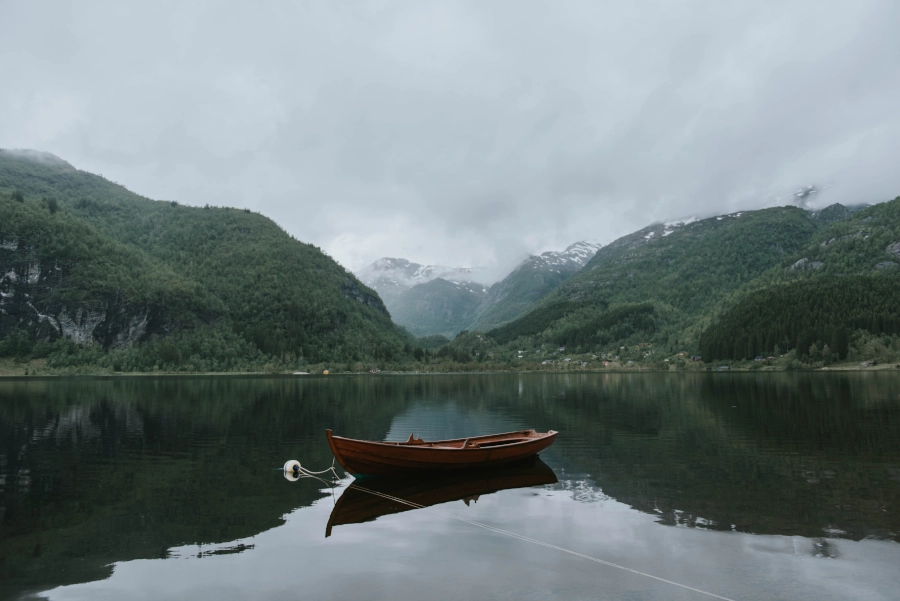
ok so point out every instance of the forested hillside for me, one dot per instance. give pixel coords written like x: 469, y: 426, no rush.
x: 815, y: 317
x: 653, y: 285
x: 808, y: 287
x: 516, y: 294
x: 96, y: 278
x: 234, y: 290
x: 535, y: 278
x: 846, y: 280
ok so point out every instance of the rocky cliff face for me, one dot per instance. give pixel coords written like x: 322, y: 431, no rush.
x: 30, y: 300
x: 351, y: 289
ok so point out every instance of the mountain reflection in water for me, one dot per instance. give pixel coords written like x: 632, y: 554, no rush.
x: 746, y: 470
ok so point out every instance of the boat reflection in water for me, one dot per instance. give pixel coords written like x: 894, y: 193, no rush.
x: 357, y: 505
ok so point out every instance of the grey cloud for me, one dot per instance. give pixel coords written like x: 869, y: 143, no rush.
x: 462, y: 132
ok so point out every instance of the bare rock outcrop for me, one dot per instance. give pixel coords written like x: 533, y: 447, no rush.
x: 805, y: 263
x: 30, y: 300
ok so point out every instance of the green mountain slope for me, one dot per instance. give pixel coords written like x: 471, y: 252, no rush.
x: 90, y: 263
x: 866, y: 242
x: 516, y: 294
x: 653, y: 285
x: 531, y: 281
x: 258, y: 285
x: 846, y: 279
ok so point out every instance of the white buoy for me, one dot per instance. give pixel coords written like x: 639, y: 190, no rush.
x: 292, y: 470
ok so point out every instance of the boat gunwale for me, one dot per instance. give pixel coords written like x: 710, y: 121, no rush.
x: 430, y: 445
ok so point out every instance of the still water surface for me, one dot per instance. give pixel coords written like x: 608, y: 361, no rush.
x: 749, y: 486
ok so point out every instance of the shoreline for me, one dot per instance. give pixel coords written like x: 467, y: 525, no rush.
x: 123, y: 375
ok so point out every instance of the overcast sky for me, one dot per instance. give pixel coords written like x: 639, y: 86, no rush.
x: 461, y: 132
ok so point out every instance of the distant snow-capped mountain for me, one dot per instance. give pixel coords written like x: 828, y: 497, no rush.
x: 390, y: 277
x: 435, y: 299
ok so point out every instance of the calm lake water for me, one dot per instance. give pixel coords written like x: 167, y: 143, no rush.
x: 748, y: 486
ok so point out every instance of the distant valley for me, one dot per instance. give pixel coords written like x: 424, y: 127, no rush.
x: 436, y: 300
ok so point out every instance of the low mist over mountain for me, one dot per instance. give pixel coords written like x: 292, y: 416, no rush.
x: 390, y: 277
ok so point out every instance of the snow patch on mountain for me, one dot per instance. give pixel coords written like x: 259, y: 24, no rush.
x: 575, y: 256
x: 473, y: 287
x: 680, y: 222
x: 671, y: 226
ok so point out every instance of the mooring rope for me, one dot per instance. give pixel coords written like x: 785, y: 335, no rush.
x: 296, y: 470
x: 293, y: 466
x: 300, y: 471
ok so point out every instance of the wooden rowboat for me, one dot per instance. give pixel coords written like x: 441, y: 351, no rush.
x: 358, y: 504
x: 365, y: 457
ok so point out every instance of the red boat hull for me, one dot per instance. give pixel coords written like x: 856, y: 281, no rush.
x: 364, y: 457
